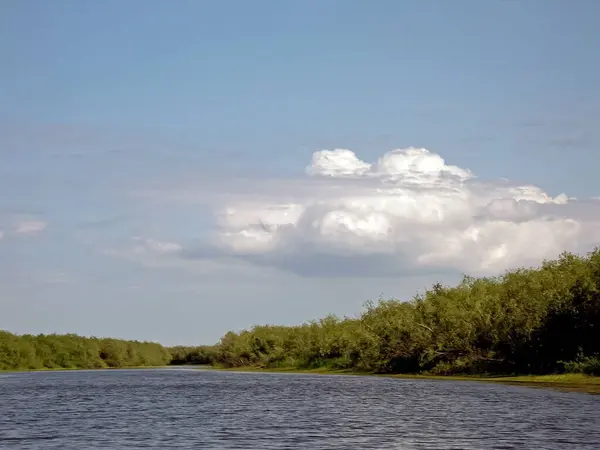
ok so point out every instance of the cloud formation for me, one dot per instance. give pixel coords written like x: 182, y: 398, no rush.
x: 30, y: 226
x: 407, y: 211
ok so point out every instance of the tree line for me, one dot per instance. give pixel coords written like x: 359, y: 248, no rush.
x: 69, y: 351
x: 526, y: 321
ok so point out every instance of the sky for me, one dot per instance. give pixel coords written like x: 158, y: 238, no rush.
x: 170, y: 171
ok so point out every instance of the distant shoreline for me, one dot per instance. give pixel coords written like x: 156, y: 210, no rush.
x: 563, y: 382
x: 82, y: 369
x: 90, y: 369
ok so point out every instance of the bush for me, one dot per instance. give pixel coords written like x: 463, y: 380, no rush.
x: 588, y: 366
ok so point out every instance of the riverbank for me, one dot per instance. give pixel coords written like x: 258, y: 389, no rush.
x: 79, y: 369
x: 564, y: 382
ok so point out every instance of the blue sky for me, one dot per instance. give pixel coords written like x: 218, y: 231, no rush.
x: 168, y: 170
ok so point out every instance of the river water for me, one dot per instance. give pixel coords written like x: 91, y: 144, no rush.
x: 199, y: 409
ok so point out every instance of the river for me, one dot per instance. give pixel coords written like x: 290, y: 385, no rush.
x: 201, y: 409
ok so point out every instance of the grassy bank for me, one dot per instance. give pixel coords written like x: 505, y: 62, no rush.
x: 564, y: 382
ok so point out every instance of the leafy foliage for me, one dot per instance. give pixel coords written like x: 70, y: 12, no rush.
x: 526, y: 321
x: 201, y: 355
x: 75, y: 352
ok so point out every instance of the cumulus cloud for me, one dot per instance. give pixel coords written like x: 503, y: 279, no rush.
x: 30, y: 227
x: 407, y: 211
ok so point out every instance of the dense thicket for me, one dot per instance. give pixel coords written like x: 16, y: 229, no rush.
x: 70, y: 351
x: 201, y: 355
x: 540, y: 320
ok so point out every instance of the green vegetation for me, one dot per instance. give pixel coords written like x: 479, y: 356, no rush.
x: 536, y: 321
x: 70, y: 351
x: 201, y: 355
x: 543, y: 320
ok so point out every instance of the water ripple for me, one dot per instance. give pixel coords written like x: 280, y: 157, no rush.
x: 220, y: 410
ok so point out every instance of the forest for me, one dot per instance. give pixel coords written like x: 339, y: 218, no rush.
x: 527, y: 321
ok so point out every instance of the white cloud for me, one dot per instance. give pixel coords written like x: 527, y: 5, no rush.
x: 339, y: 162
x: 408, y: 210
x: 30, y: 226
x: 416, y: 165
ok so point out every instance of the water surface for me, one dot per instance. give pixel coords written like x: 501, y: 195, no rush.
x: 201, y: 409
